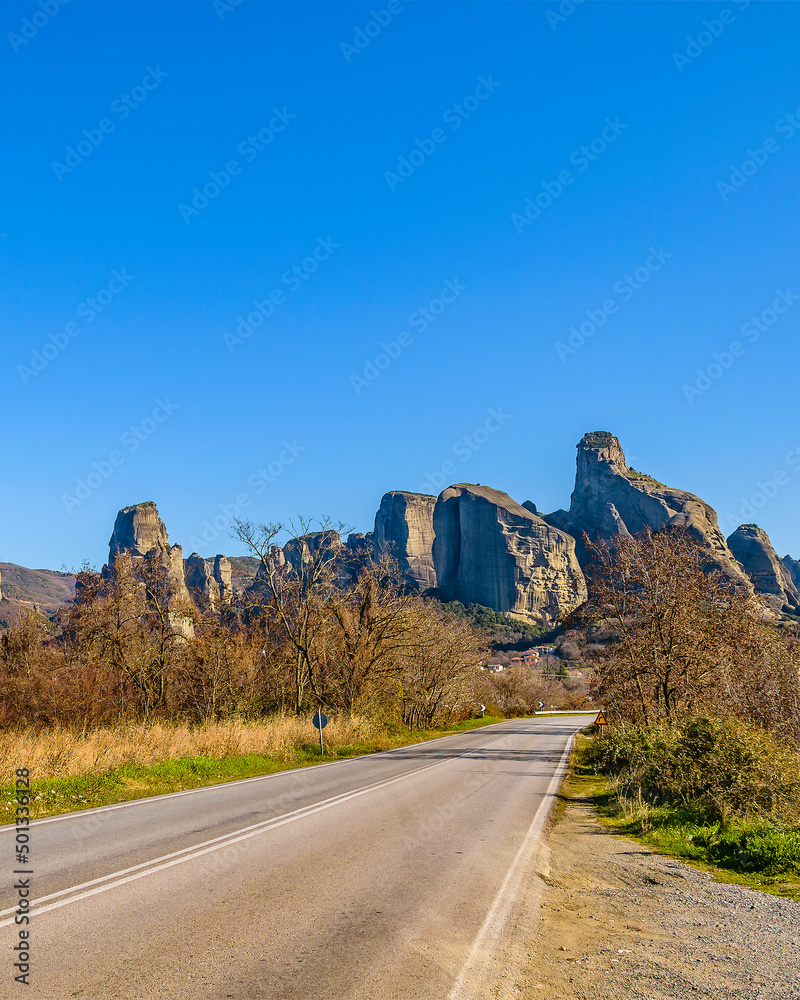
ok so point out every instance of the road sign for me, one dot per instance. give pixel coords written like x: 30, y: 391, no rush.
x: 320, y: 720
x: 541, y: 705
x: 601, y: 719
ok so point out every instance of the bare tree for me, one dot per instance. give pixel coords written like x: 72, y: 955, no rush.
x: 300, y: 593
x: 441, y: 670
x: 676, y: 625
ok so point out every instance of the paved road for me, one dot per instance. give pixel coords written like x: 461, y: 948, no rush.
x: 396, y: 875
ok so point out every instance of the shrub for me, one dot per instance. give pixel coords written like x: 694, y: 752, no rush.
x: 719, y: 767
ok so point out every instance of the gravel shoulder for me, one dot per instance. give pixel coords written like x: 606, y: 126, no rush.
x: 617, y: 920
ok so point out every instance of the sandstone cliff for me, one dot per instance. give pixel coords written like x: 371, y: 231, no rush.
x: 609, y: 499
x: 771, y: 578
x: 793, y: 567
x: 208, y: 582
x: 404, y: 528
x: 490, y: 550
x: 223, y: 575
x: 140, y: 532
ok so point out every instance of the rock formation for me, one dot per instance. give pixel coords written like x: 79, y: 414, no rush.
x: 771, y: 578
x: 404, y: 528
x: 223, y: 574
x: 490, y: 550
x: 208, y: 583
x: 793, y: 567
x: 610, y: 499
x: 200, y: 580
x: 139, y: 532
x: 299, y: 551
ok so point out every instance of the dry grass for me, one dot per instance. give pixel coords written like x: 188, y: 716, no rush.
x: 64, y: 752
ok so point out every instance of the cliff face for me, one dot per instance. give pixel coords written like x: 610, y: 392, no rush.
x: 404, y: 526
x: 140, y: 532
x: 610, y: 499
x: 770, y: 576
x: 490, y: 550
x: 208, y: 582
x: 792, y: 566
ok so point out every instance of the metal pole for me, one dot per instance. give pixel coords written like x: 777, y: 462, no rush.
x: 321, y: 748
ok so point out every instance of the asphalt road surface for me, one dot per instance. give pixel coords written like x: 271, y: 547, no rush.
x: 398, y: 875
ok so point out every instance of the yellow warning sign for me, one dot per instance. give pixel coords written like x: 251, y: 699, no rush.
x: 600, y: 720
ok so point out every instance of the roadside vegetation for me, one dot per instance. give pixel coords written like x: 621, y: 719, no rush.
x: 129, y: 690
x: 75, y: 770
x: 702, y: 755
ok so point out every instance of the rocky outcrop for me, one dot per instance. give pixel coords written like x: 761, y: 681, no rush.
x: 300, y: 551
x: 404, y: 529
x: 610, y: 499
x: 200, y: 581
x: 490, y: 550
x: 223, y: 575
x: 793, y: 568
x: 139, y: 533
x: 771, y: 578
x: 208, y: 582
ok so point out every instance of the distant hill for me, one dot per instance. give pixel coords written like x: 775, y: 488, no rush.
x: 47, y: 589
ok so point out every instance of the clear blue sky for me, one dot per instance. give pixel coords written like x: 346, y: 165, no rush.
x: 154, y: 98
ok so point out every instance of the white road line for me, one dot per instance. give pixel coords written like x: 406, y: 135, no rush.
x: 9, y: 826
x: 198, y: 850
x: 470, y: 984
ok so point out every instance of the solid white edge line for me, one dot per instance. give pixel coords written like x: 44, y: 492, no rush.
x: 197, y: 850
x: 493, y: 925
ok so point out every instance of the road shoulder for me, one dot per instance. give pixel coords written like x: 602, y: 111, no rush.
x: 617, y: 920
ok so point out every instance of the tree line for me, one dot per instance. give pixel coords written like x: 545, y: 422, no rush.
x: 329, y: 628
x: 672, y: 636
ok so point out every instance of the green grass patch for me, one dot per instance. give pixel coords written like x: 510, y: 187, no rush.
x: 53, y: 796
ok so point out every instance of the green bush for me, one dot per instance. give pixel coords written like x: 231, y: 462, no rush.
x: 719, y: 767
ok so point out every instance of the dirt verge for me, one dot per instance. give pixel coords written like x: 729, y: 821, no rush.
x: 618, y: 921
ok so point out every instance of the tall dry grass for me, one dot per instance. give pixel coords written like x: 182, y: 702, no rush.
x: 62, y: 752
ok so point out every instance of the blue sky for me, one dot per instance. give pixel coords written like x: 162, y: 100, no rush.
x: 367, y: 184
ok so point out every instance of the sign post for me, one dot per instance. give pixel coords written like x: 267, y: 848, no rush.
x: 320, y: 720
x: 601, y: 721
